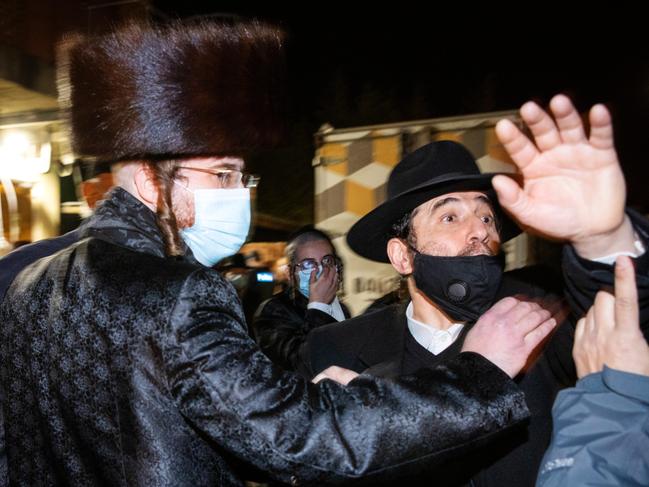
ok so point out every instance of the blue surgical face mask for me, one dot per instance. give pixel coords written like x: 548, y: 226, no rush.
x: 304, y: 279
x: 221, y: 223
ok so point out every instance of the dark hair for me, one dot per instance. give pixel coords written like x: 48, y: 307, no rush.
x: 163, y: 173
x: 404, y: 230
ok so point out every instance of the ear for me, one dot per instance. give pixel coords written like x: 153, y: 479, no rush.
x: 400, y: 257
x: 146, y: 188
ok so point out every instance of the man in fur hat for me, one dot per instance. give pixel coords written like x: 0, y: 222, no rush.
x: 442, y: 227
x: 125, y: 357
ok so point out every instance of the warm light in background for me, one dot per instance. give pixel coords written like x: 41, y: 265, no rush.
x: 25, y: 161
x: 22, y: 156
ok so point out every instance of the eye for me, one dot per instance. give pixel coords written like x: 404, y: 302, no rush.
x: 487, y: 219
x: 308, y: 265
x: 224, y: 177
x: 449, y: 218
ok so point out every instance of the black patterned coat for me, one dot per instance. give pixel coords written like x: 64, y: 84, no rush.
x: 124, y: 367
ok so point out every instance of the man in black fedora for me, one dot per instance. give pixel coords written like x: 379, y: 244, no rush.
x: 442, y: 227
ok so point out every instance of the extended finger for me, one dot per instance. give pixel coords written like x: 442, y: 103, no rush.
x: 571, y: 128
x: 522, y: 310
x: 518, y: 146
x: 601, y: 128
x: 512, y: 198
x: 503, y: 306
x: 541, y: 125
x: 531, y: 320
x: 539, y: 333
x: 579, y: 333
x: 312, y: 278
x: 626, y: 294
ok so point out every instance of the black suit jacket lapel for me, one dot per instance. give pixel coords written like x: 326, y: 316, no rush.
x: 385, y: 343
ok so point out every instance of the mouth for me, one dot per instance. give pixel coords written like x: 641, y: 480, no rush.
x: 476, y: 249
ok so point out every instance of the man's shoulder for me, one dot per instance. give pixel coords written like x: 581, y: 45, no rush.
x: 23, y: 256
x: 96, y: 258
x: 12, y: 264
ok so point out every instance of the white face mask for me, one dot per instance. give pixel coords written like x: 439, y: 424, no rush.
x: 221, y: 223
x: 304, y: 280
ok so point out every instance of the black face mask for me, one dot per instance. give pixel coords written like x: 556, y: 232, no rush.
x: 463, y: 287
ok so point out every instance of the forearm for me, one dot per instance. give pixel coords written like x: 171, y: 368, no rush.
x: 284, y: 425
x: 584, y: 277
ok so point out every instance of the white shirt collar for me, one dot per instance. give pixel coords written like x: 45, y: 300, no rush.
x: 334, y: 309
x: 432, y: 339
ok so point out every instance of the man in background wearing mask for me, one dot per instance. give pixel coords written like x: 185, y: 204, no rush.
x: 442, y: 227
x: 125, y: 359
x: 282, y: 323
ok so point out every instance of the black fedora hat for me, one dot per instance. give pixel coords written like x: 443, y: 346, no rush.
x: 432, y: 170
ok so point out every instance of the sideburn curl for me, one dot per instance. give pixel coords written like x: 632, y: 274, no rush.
x: 163, y: 173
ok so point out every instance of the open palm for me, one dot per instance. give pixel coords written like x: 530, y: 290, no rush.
x: 573, y: 186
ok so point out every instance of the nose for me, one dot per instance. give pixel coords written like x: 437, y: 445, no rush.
x: 478, y: 231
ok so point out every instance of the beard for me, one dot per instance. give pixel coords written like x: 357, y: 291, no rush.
x: 183, y: 206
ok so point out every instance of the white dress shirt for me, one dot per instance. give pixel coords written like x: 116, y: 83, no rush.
x: 334, y: 309
x: 432, y: 339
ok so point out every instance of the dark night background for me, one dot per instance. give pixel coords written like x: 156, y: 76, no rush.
x: 353, y: 63
x: 405, y: 62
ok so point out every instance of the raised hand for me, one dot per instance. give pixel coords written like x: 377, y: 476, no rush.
x: 323, y: 289
x: 573, y: 186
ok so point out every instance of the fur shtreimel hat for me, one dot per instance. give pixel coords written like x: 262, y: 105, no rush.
x: 182, y: 90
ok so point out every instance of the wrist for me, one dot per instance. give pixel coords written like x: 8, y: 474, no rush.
x: 619, y: 240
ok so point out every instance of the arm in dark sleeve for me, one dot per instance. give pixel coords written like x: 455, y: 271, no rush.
x: 276, y: 420
x: 583, y: 279
x: 280, y: 330
x: 601, y: 433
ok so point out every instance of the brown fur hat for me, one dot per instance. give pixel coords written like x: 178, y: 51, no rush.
x: 165, y: 92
